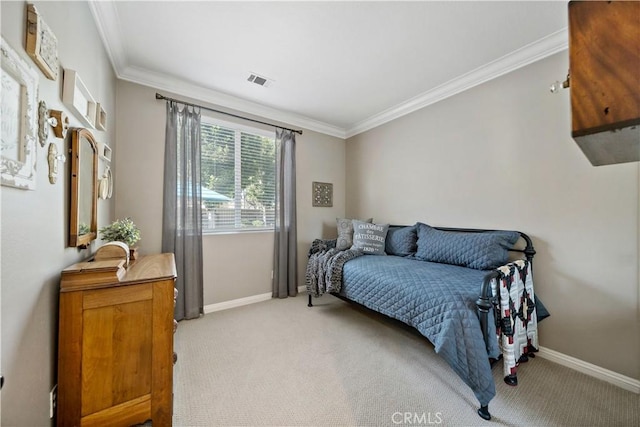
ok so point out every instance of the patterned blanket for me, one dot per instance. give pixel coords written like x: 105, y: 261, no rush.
x: 324, y: 268
x: 516, y: 316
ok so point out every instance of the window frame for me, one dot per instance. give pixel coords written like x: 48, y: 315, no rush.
x: 242, y: 128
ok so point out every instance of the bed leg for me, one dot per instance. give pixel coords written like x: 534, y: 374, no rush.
x: 310, y: 304
x: 511, y: 380
x: 484, y: 412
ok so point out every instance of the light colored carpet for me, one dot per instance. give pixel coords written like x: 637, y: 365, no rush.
x: 280, y: 363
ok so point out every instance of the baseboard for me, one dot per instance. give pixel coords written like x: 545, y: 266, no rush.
x: 236, y: 303
x: 614, y: 378
x: 242, y: 301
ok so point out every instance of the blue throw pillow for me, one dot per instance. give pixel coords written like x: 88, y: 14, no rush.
x: 401, y: 241
x: 482, y: 251
x: 369, y: 238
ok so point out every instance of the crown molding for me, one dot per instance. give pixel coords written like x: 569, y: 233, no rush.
x: 542, y: 48
x: 179, y: 87
x: 107, y: 21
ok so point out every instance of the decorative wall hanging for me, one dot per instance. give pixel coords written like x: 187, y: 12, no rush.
x: 322, y: 194
x: 52, y: 159
x: 110, y: 177
x: 42, y: 44
x: 77, y: 97
x: 105, y: 186
x: 62, y: 123
x: 101, y: 117
x: 44, y: 121
x: 43, y: 126
x: 104, y: 151
x: 19, y: 120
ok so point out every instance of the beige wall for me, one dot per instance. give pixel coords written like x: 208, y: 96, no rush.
x: 500, y: 156
x: 496, y: 156
x: 35, y: 223
x: 235, y: 265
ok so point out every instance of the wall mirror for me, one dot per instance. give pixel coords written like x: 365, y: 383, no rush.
x: 83, y: 224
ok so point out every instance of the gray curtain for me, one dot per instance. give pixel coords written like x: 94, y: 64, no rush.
x: 181, y: 217
x: 285, y: 262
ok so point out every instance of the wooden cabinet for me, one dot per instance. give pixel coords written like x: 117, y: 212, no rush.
x: 115, y: 355
x: 604, y: 56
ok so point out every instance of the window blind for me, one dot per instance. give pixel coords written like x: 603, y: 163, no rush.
x: 238, y: 179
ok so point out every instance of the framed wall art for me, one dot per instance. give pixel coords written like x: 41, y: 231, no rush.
x: 322, y: 194
x: 104, y: 152
x: 42, y: 44
x: 19, y: 130
x: 101, y: 117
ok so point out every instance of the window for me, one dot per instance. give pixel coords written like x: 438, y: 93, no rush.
x: 238, y: 178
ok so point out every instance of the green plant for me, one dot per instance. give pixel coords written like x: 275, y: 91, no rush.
x: 121, y: 230
x: 83, y: 229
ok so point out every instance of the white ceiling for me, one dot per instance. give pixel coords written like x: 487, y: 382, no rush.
x: 338, y: 67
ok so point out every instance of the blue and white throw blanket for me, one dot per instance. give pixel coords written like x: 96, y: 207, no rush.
x: 439, y: 300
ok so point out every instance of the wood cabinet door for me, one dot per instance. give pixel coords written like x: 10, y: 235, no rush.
x: 117, y: 349
x: 116, y: 367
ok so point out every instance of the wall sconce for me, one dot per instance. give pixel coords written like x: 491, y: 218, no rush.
x: 53, y: 158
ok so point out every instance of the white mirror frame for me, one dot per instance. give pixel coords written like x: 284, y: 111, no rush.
x: 19, y: 110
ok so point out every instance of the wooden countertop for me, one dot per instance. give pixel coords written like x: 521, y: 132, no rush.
x: 147, y: 268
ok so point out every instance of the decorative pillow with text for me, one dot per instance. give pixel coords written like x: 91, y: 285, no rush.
x: 345, y: 233
x: 369, y: 238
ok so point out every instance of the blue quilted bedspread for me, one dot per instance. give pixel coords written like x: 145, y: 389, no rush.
x: 436, y: 299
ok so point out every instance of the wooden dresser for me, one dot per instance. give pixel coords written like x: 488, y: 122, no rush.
x: 115, y: 355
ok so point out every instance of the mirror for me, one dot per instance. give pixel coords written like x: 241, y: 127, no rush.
x: 83, y: 224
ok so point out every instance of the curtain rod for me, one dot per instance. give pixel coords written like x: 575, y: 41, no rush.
x: 159, y: 96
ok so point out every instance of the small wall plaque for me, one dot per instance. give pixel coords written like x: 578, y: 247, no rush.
x: 322, y: 194
x: 104, y: 152
x: 101, y: 117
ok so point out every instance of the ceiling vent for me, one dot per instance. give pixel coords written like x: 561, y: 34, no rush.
x: 260, y: 80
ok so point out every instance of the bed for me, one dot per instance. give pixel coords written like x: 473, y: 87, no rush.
x: 451, y: 305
